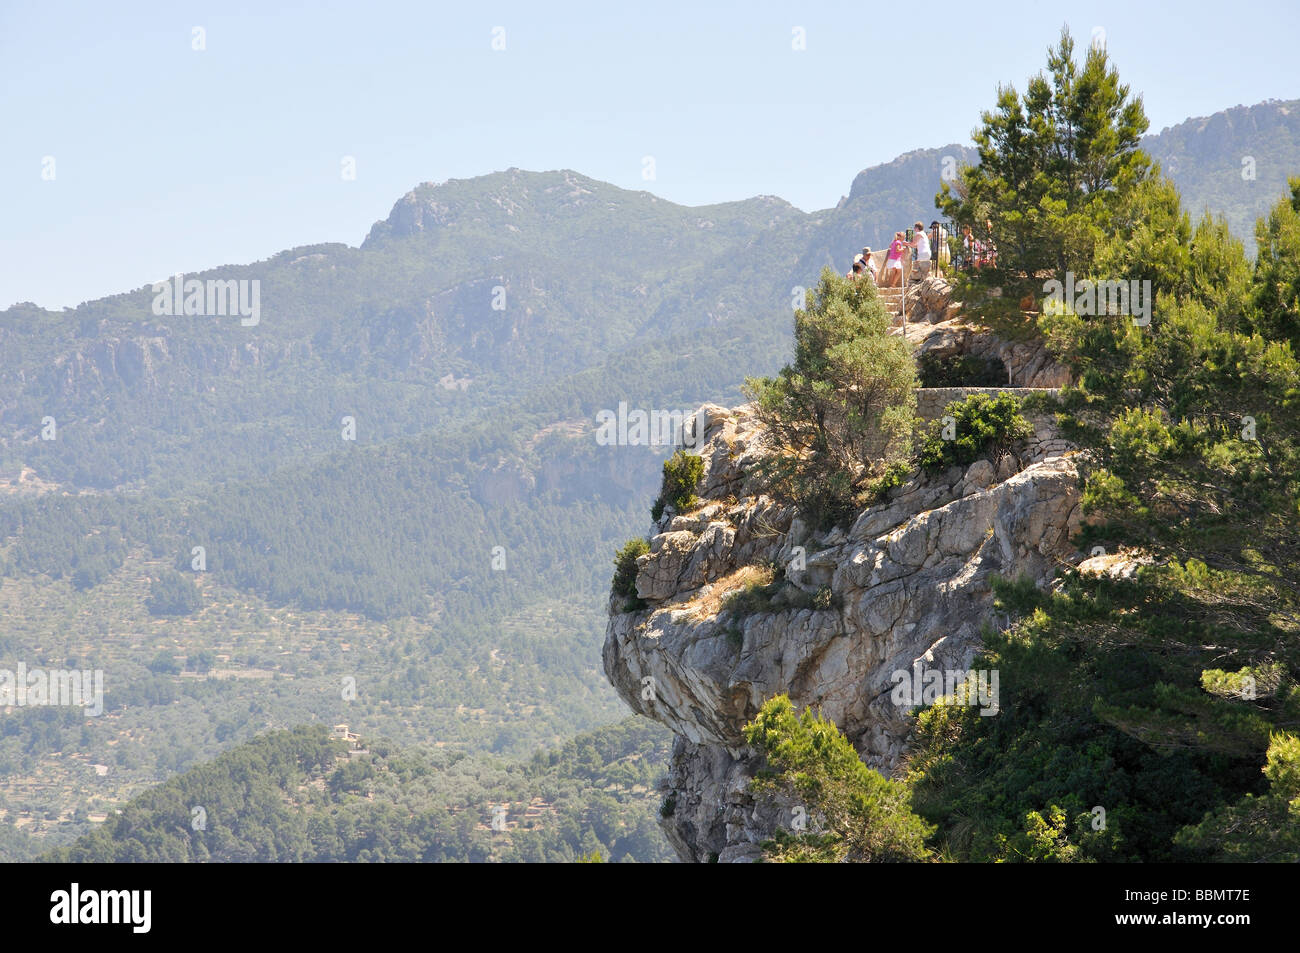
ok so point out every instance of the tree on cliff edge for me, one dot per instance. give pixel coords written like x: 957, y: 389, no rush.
x: 1053, y: 164
x: 841, y: 416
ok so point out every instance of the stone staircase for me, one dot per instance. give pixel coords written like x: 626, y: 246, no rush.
x: 892, y: 298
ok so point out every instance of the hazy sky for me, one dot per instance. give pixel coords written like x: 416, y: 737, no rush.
x: 168, y: 158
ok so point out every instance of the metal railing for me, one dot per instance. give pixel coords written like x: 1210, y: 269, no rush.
x: 980, y: 250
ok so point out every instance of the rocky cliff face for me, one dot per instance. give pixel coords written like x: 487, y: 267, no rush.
x: 907, y: 584
x: 151, y: 363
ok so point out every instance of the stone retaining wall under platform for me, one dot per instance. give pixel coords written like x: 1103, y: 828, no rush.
x: 930, y: 401
x: 1046, y: 440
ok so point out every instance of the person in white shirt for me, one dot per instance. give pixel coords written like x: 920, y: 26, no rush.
x: 869, y: 266
x: 921, y: 242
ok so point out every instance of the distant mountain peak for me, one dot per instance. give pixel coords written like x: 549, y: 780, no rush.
x: 907, y: 169
x: 502, y: 198
x: 497, y: 196
x: 1253, y: 116
x: 1202, y: 154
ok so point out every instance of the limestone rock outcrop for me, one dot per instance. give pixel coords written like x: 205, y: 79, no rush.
x: 907, y: 583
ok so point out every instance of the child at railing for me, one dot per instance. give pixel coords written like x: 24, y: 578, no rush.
x: 990, y: 259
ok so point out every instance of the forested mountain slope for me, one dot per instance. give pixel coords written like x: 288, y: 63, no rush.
x: 382, y: 503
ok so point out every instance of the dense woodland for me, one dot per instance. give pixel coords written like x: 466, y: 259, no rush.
x: 298, y: 796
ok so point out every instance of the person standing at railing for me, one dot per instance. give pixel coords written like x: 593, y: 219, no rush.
x: 970, y: 249
x: 990, y: 247
x: 921, y: 242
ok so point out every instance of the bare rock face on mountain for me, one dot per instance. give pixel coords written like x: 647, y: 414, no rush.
x: 908, y: 584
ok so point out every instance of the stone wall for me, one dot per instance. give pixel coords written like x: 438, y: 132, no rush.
x: 930, y: 401
x: 937, y: 327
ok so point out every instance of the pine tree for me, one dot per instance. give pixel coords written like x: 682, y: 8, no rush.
x: 851, y: 812
x: 1053, y: 165
x: 1258, y: 828
x: 1277, y: 270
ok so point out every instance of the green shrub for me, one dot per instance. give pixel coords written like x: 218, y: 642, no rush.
x: 894, y: 474
x: 625, y: 567
x: 682, y: 472
x: 669, y: 806
x: 984, y: 426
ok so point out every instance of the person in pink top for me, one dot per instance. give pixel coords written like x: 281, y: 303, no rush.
x: 894, y: 261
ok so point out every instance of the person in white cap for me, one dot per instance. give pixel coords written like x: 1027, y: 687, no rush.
x: 869, y: 266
